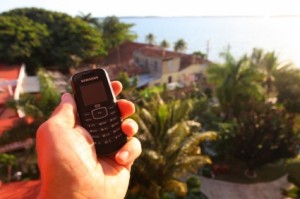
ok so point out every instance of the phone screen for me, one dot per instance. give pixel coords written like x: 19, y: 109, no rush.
x: 93, y: 93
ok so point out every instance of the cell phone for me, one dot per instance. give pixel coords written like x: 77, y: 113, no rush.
x: 98, y: 110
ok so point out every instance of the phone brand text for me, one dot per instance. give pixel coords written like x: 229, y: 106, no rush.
x: 89, y: 79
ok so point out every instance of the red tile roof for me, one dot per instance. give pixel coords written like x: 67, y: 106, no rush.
x: 9, y: 72
x: 158, y: 52
x: 7, y: 123
x: 122, y: 55
x: 20, y: 190
x: 8, y: 117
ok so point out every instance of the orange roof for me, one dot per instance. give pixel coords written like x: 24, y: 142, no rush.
x: 7, y: 124
x: 159, y: 52
x: 9, y: 72
x: 123, y: 54
x: 20, y: 190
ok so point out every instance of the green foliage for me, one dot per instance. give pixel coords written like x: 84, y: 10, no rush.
x: 20, y: 37
x: 251, y: 129
x: 263, y: 135
x: 237, y: 83
x: 287, y: 84
x: 200, y: 54
x: 180, y: 45
x: 170, y: 147
x: 93, y: 21
x: 70, y: 40
x: 126, y: 82
x: 115, y: 32
x: 7, y: 159
x: 165, y: 44
x: 150, y: 39
x: 50, y: 96
x: 41, y: 106
x: 294, y: 190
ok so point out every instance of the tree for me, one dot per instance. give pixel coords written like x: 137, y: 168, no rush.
x: 115, y: 32
x: 70, y: 39
x: 20, y: 37
x: 264, y: 134
x: 237, y: 83
x: 150, y: 39
x: 287, y: 83
x: 39, y: 107
x: 180, y: 46
x: 252, y: 131
x: 9, y: 160
x: 165, y: 44
x: 93, y: 21
x: 200, y: 54
x: 170, y: 148
x: 268, y: 64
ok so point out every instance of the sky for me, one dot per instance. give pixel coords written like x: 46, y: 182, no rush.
x: 121, y: 8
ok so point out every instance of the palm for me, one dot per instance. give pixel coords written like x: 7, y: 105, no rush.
x: 180, y: 45
x: 170, y: 147
x: 237, y: 83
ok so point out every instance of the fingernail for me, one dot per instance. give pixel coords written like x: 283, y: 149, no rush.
x: 133, y: 124
x: 123, y: 156
x: 64, y: 97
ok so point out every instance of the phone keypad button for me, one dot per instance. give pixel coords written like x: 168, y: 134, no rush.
x: 99, y: 113
x: 104, y: 124
x: 92, y: 131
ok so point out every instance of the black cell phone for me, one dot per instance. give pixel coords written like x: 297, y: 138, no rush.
x: 98, y: 110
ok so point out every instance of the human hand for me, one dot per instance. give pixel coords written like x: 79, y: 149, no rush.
x: 67, y: 159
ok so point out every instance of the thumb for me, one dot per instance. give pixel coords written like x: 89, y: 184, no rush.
x: 65, y: 113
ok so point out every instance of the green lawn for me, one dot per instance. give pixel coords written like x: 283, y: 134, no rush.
x: 266, y: 173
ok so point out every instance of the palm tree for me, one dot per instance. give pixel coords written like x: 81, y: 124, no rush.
x: 165, y: 44
x: 170, y: 148
x: 150, y: 39
x: 180, y: 46
x: 93, y: 21
x: 237, y: 83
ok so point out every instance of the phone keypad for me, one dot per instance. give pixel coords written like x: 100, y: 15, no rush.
x: 104, y: 124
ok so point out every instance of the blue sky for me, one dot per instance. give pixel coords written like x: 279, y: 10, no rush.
x: 102, y: 8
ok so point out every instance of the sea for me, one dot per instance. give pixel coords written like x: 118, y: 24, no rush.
x: 214, y: 35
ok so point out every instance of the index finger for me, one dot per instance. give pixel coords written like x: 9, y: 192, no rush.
x: 117, y: 87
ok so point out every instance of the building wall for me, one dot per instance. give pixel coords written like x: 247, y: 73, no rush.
x: 185, y: 76
x: 150, y: 64
x: 171, y: 65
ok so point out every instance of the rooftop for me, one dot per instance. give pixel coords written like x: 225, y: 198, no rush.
x: 20, y: 190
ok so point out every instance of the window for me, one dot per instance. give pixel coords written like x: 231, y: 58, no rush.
x: 146, y: 63
x: 137, y: 60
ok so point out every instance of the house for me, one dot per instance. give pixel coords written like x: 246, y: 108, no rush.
x: 119, y: 59
x: 166, y: 67
x: 153, y: 65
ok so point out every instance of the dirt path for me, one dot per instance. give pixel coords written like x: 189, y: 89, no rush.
x: 216, y: 189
